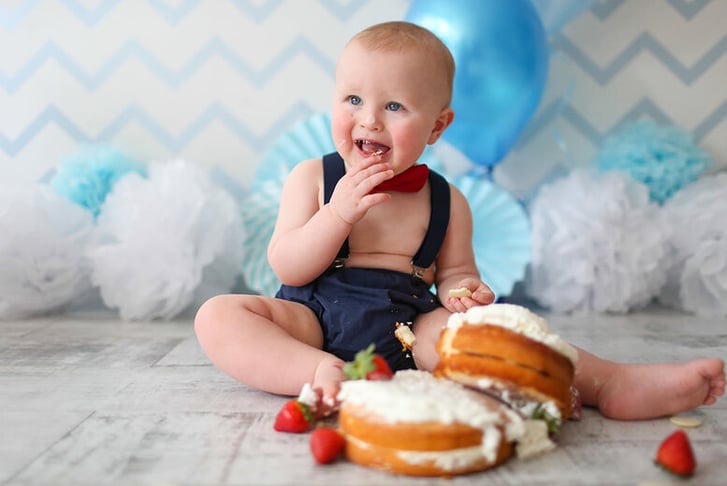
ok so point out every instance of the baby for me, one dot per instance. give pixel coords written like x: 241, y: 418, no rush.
x: 362, y: 234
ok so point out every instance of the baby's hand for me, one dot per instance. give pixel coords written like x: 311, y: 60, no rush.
x: 470, y: 293
x: 352, y: 198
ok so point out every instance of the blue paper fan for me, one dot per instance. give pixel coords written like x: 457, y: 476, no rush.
x: 307, y: 139
x: 501, y: 233
x: 259, y: 212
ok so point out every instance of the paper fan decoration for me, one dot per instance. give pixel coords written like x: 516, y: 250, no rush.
x: 308, y: 139
x: 501, y: 233
x: 259, y: 212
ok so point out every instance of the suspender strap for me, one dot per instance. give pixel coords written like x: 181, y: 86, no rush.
x: 333, y: 169
x: 438, y: 222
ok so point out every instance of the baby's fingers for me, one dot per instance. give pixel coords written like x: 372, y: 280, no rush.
x: 371, y: 200
x: 370, y: 177
x: 457, y: 304
x: 483, y: 296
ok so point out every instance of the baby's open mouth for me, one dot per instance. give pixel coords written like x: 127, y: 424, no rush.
x: 369, y: 148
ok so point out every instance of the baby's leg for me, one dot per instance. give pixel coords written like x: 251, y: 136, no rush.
x: 427, y: 328
x: 270, y: 344
x: 644, y: 391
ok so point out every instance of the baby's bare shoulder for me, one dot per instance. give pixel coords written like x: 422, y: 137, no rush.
x: 459, y: 207
x: 307, y: 168
x: 307, y: 173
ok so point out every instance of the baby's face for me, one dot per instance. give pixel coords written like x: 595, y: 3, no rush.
x: 387, y: 104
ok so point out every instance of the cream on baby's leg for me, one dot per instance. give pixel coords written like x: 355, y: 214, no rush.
x: 644, y: 391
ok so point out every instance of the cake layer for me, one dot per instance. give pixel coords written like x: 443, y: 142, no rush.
x: 359, y: 422
x: 510, y: 350
x: 478, y: 371
x: 418, y: 397
x: 417, y: 424
x: 517, y: 319
x: 425, y: 463
x: 495, y: 341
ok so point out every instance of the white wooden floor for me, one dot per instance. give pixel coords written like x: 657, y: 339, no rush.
x: 87, y: 399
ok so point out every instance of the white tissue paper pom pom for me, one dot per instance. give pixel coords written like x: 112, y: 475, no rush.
x: 697, y: 219
x: 42, y: 262
x: 598, y: 244
x: 167, y: 242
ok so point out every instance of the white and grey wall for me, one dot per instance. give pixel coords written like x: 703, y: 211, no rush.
x: 217, y: 81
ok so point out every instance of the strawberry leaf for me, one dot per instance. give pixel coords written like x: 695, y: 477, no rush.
x: 362, y: 364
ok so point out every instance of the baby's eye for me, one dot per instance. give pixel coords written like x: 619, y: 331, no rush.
x: 354, y: 100
x: 393, y: 106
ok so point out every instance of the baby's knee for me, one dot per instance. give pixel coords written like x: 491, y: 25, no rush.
x: 429, y: 326
x: 229, y: 308
x: 205, y: 315
x: 214, y: 312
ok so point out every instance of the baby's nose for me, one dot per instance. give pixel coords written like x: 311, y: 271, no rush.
x: 370, y: 121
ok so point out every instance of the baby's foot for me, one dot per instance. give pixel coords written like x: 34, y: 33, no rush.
x: 645, y: 391
x: 326, y: 383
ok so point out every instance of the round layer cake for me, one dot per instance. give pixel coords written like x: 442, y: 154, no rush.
x: 510, y: 350
x: 419, y: 425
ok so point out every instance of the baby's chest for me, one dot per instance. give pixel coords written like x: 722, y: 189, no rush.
x: 397, y: 226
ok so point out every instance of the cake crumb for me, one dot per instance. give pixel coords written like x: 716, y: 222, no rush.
x: 405, y: 335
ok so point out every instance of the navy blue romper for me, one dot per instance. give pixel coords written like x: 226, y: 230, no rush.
x: 360, y: 306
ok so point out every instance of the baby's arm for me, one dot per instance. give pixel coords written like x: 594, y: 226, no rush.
x: 308, y: 234
x: 455, y: 266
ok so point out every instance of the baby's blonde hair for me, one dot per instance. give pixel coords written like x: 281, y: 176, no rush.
x: 398, y: 35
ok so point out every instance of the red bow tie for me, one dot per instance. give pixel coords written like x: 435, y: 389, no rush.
x: 411, y: 180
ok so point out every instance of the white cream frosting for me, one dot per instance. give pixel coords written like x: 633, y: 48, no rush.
x: 517, y: 401
x: 447, y: 460
x: 308, y: 395
x: 535, y: 441
x: 417, y: 396
x: 517, y: 319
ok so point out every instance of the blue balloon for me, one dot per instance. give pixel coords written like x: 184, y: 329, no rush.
x: 501, y: 55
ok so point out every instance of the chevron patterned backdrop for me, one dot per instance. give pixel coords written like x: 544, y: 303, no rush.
x: 217, y: 81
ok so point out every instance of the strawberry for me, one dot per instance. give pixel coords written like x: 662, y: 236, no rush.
x: 295, y: 416
x: 325, y: 444
x: 367, y: 365
x: 675, y: 454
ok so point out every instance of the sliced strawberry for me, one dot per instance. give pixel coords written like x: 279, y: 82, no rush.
x: 367, y: 365
x: 325, y: 444
x: 675, y: 454
x: 294, y: 417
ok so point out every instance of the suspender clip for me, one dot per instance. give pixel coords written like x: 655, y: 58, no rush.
x: 417, y: 271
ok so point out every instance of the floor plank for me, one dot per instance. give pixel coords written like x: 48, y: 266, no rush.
x: 93, y: 400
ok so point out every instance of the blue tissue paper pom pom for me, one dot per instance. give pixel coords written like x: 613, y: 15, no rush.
x: 86, y: 178
x: 665, y: 159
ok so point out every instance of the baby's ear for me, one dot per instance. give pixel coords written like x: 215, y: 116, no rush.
x: 445, y: 118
